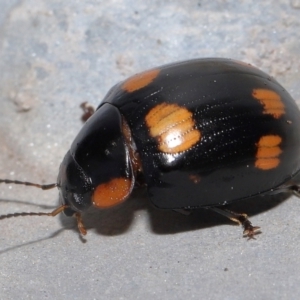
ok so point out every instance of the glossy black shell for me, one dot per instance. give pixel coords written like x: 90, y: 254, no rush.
x: 220, y: 167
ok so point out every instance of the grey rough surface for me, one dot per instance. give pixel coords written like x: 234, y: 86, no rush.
x: 55, y: 55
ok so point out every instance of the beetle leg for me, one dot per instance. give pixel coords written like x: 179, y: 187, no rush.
x: 241, y: 219
x: 88, y: 111
x: 183, y: 211
x: 296, y: 190
x: 80, y: 225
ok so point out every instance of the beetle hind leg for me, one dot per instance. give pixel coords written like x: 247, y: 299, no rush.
x: 242, y: 219
x: 296, y: 190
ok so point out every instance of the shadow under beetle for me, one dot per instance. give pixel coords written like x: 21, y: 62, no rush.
x: 199, y: 134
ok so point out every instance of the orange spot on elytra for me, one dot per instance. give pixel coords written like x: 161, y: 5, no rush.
x: 271, y: 101
x: 112, y: 193
x: 173, y: 127
x: 268, y: 151
x: 269, y: 141
x: 267, y: 163
x: 140, y: 80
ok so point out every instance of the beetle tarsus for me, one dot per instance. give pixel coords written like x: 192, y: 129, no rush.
x: 249, y: 230
x: 242, y: 219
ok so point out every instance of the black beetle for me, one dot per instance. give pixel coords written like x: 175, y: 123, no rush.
x: 199, y: 134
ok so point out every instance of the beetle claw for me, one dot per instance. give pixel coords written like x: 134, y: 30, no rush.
x: 242, y: 219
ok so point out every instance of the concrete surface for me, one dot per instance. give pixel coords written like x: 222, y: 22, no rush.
x: 55, y: 55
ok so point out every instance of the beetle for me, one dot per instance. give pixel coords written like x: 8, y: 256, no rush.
x: 199, y: 134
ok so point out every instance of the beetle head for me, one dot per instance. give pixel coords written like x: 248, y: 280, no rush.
x: 98, y: 168
x: 74, y: 185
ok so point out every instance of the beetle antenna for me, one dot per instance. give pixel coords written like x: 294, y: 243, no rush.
x: 41, y: 186
x: 55, y: 212
x: 23, y: 214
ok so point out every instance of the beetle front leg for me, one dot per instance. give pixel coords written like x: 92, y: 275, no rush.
x: 88, y: 111
x: 241, y: 219
x: 80, y: 225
